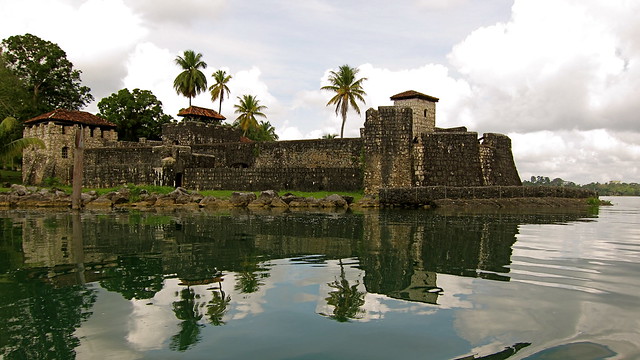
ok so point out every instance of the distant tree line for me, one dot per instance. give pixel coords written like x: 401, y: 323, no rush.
x: 611, y: 188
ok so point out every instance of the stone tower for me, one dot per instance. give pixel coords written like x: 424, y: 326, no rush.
x: 423, y: 107
x: 57, y: 130
x: 393, y: 142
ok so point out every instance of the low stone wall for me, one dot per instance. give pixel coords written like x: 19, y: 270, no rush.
x: 256, y: 179
x: 425, y: 195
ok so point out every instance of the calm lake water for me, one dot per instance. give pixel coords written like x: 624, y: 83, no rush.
x: 410, y: 284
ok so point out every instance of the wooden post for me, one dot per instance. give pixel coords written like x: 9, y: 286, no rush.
x: 78, y: 247
x: 78, y: 159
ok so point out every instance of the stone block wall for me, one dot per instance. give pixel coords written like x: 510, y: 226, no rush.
x: 388, y: 141
x: 112, y: 167
x: 334, y: 164
x: 198, y: 133
x: 498, y: 167
x: 256, y: 179
x: 418, y: 196
x: 451, y: 158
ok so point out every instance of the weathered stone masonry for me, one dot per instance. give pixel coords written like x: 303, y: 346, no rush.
x: 399, y: 147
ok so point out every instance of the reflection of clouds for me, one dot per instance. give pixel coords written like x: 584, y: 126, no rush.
x: 152, y: 322
x: 569, y: 283
x: 243, y: 305
x: 375, y: 307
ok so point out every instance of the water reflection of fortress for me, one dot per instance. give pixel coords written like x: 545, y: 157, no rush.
x: 401, y: 253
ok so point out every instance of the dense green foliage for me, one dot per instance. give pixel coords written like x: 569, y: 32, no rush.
x: 348, y: 91
x: 137, y: 113
x: 45, y: 73
x: 220, y: 88
x: 247, y: 110
x: 191, y: 81
x: 263, y: 132
x: 611, y: 188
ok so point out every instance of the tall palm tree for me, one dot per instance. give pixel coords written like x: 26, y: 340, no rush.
x: 10, y: 148
x: 348, y: 90
x: 191, y: 81
x: 248, y: 109
x: 220, y: 87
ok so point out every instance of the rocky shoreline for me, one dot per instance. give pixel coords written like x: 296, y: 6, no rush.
x: 23, y: 197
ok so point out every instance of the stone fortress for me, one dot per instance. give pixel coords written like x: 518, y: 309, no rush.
x: 400, y: 147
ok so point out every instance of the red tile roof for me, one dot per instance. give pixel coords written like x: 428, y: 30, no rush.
x: 411, y: 94
x: 73, y: 116
x: 201, y: 112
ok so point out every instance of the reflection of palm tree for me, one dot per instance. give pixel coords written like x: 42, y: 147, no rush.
x: 345, y: 299
x: 217, y: 307
x: 249, y: 279
x: 187, y: 309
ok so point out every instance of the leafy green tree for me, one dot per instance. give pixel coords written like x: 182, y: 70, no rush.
x: 263, y: 132
x: 137, y: 113
x: 47, y: 74
x: 14, y: 97
x: 248, y: 108
x: 220, y: 87
x: 348, y: 91
x: 10, y: 147
x: 191, y: 81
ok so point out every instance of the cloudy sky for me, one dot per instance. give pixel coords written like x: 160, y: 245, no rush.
x: 561, y: 77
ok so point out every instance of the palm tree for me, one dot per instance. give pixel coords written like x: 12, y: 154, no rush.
x: 220, y: 87
x: 348, y: 90
x: 248, y: 109
x: 9, y: 148
x: 191, y: 81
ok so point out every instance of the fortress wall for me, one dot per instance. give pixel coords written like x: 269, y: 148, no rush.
x: 111, y: 167
x: 452, y: 159
x: 196, y: 133
x: 256, y: 179
x: 331, y: 153
x: 498, y: 167
x: 298, y: 165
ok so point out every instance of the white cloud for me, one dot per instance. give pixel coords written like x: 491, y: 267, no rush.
x: 581, y: 156
x: 152, y: 68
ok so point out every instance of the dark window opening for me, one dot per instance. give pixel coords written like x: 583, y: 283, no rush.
x: 65, y: 152
x: 91, y: 132
x: 178, y: 179
x: 239, y: 165
x: 425, y: 112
